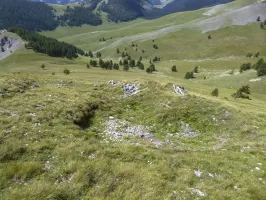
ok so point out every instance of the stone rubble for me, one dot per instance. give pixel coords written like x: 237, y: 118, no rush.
x: 117, y: 129
x: 197, y: 173
x: 179, y: 90
x: 198, y: 192
x: 130, y: 90
x: 114, y: 83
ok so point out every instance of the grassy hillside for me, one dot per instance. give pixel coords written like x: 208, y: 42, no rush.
x: 74, y: 137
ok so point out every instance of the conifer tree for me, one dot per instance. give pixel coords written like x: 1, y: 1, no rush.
x: 174, y: 69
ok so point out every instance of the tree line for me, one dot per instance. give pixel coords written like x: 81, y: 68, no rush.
x: 78, y: 16
x: 35, y: 16
x: 260, y: 67
x: 49, y: 46
x: 122, y: 10
x: 38, y: 16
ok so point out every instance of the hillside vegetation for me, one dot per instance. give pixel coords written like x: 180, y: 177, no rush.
x: 154, y: 109
x: 26, y: 14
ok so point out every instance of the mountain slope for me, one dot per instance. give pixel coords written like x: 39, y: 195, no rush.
x: 29, y: 15
x: 186, y: 5
x: 124, y: 10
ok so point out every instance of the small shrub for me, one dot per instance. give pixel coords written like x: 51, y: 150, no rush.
x: 242, y: 92
x: 174, y: 69
x: 196, y: 69
x: 189, y: 75
x: 43, y: 66
x: 245, y: 67
x: 215, y: 92
x: 256, y: 55
x: 66, y: 71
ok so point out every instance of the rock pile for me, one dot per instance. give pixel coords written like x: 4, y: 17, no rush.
x: 117, y: 129
x: 3, y: 31
x: 130, y: 90
x: 186, y: 131
x: 114, y: 83
x: 180, y: 90
x: 6, y: 43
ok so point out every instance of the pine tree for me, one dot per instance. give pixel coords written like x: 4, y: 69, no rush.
x: 258, y: 19
x: 90, y: 54
x: 42, y: 66
x: 152, y: 68
x: 101, y: 63
x: 141, y: 67
x: 125, y: 62
x: 98, y: 54
x: 117, y: 51
x: 257, y: 55
x: 215, y: 92
x: 196, y: 69
x: 126, y: 68
x: 140, y: 58
x: 189, y: 75
x: 88, y: 66
x: 261, y: 25
x: 138, y: 63
x: 132, y: 63
x: 120, y: 63
x: 209, y: 37
x: 174, y: 69
x: 242, y: 92
x: 66, y: 71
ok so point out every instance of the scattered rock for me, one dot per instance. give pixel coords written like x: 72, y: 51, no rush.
x: 62, y: 85
x: 257, y: 168
x: 235, y: 187
x: 114, y: 83
x: 116, y: 128
x: 37, y: 124
x: 130, y: 90
x: 198, y: 192
x: 244, y: 148
x: 157, y: 143
x: 197, y: 173
x: 39, y: 106
x: 179, y: 90
x: 186, y: 131
x: 34, y: 86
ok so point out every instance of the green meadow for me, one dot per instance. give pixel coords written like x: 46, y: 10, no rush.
x: 56, y: 130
